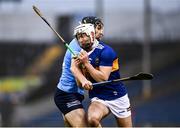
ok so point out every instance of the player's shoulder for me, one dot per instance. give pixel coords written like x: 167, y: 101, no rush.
x: 74, y: 45
x: 106, y: 46
x: 73, y: 42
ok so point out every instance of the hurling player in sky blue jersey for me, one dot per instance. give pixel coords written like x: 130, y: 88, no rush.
x: 69, y: 95
x: 100, y: 64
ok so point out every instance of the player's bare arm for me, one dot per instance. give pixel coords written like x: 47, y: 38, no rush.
x: 80, y: 78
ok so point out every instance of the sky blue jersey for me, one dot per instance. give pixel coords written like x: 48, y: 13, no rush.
x: 67, y: 81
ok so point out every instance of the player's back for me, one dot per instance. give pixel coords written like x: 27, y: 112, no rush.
x: 67, y: 81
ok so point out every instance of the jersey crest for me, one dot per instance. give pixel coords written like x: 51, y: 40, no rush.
x: 100, y: 46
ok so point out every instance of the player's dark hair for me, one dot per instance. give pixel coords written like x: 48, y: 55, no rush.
x: 92, y: 20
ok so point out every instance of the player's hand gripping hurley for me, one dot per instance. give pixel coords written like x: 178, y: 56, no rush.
x: 42, y: 17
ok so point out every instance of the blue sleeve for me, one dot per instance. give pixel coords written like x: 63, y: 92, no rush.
x: 108, y: 55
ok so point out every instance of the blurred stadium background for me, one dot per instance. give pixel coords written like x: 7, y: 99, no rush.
x: 144, y: 33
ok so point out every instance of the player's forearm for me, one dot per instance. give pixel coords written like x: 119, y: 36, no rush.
x: 78, y: 75
x: 97, y: 75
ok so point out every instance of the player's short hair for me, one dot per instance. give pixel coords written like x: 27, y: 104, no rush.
x: 92, y: 20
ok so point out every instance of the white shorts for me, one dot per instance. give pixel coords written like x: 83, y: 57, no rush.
x: 119, y: 107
